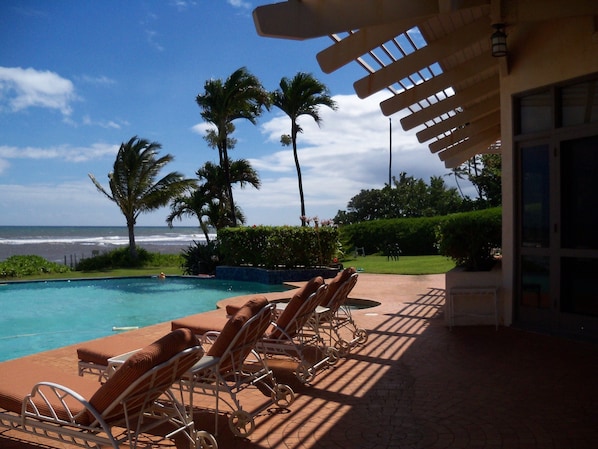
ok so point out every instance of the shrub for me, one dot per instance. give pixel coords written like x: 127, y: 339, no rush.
x: 415, y: 236
x: 279, y: 246
x: 201, y: 258
x: 19, y: 266
x: 117, y: 258
x: 471, y: 238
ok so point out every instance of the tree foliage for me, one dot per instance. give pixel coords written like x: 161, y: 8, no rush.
x: 240, y: 96
x: 301, y: 95
x: 483, y: 171
x: 208, y: 202
x: 410, y: 197
x: 134, y: 186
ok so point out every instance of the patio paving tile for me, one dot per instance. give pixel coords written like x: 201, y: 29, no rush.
x: 417, y: 384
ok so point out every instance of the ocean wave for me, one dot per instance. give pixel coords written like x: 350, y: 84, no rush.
x: 111, y: 240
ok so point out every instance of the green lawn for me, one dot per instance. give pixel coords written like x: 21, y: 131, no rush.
x: 405, y: 264
x: 367, y: 264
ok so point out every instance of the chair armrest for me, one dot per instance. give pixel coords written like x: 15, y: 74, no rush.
x: 56, y: 398
x: 209, y: 337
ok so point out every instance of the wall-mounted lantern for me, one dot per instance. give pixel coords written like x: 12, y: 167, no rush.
x: 499, y: 40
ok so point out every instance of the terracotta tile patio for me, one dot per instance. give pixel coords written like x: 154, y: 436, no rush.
x: 417, y: 384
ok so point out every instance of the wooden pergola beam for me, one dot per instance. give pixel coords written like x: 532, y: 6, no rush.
x: 304, y: 19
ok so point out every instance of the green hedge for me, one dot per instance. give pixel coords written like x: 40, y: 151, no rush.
x: 470, y: 238
x: 415, y: 236
x: 278, y: 246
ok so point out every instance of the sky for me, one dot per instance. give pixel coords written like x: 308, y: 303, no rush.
x: 78, y: 78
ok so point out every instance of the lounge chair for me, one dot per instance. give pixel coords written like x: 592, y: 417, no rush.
x: 102, y: 359
x: 136, y: 399
x: 332, y: 315
x: 231, y: 365
x: 296, y: 334
x: 337, y: 314
x: 293, y: 333
x: 93, y: 356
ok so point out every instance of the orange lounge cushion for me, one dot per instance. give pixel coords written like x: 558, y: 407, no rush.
x: 335, y: 284
x: 294, y: 304
x: 17, y: 378
x: 139, y: 363
x: 214, y: 320
x: 235, y: 323
x: 99, y: 351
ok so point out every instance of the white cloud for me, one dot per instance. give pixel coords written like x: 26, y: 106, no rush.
x: 348, y: 153
x: 151, y: 36
x: 201, y: 128
x: 58, y: 204
x: 182, y: 5
x: 24, y: 88
x: 239, y: 4
x: 107, y: 124
x: 97, y: 80
x: 64, y: 152
x: 4, y: 165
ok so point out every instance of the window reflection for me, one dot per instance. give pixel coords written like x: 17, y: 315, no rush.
x: 579, y: 103
x: 535, y: 282
x: 535, y: 112
x: 535, y: 199
x: 579, y: 202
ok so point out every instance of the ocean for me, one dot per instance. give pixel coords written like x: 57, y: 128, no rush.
x: 65, y: 244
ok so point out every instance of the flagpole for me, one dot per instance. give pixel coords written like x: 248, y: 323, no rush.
x: 390, y: 152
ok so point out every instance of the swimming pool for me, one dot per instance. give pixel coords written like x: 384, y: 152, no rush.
x: 39, y: 316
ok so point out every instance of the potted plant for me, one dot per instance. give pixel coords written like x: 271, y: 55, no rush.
x: 472, y: 240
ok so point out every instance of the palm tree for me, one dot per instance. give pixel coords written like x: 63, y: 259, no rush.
x: 208, y: 201
x: 196, y: 204
x: 133, y: 185
x: 213, y: 185
x: 240, y: 96
x: 303, y: 95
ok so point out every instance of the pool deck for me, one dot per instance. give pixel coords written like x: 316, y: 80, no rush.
x: 417, y: 384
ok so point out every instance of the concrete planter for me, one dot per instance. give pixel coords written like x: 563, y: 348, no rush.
x: 264, y: 276
x: 473, y: 297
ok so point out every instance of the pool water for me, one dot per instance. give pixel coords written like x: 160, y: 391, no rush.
x: 39, y: 316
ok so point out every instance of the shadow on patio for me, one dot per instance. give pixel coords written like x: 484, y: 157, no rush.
x: 417, y: 384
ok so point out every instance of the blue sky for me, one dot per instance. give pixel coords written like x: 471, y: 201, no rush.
x: 77, y: 78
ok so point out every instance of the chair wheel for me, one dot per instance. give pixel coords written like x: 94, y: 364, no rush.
x: 333, y: 355
x: 205, y: 440
x: 241, y: 423
x: 361, y: 336
x: 283, y: 395
x: 304, y: 372
x: 343, y: 347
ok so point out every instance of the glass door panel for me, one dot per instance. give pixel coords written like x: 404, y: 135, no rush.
x: 579, y: 294
x: 534, y: 305
x: 535, y: 197
x: 579, y: 201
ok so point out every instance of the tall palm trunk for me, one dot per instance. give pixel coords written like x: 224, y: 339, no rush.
x: 204, y: 228
x: 224, y: 163
x: 132, y: 246
x: 294, y: 129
